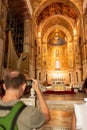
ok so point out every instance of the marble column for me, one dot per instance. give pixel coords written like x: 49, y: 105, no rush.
x: 44, y: 62
x: 38, y: 58
x: 84, y: 46
x: 70, y: 54
x: 77, y: 62
x: 28, y: 47
x: 3, y: 18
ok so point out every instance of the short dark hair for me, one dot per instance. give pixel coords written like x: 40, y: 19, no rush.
x: 14, y: 80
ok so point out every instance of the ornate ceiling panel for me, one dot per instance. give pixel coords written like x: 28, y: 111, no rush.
x: 39, y: 5
x: 55, y: 9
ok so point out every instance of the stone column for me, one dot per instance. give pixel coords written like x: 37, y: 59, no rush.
x: 77, y: 57
x: 44, y: 62
x: 38, y: 59
x: 71, y: 60
x: 3, y: 18
x: 70, y: 54
x: 28, y: 47
x: 77, y: 51
x: 27, y: 36
x: 33, y: 50
x: 84, y: 46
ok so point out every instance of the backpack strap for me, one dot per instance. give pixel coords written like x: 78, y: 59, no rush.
x: 15, y: 112
x: 5, y: 107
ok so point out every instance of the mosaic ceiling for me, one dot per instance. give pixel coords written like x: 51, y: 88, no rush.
x: 48, y: 13
x: 55, y: 9
x: 57, y: 38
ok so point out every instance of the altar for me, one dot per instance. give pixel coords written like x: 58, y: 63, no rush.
x: 58, y: 85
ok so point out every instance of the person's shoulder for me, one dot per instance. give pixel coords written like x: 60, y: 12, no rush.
x: 10, y: 103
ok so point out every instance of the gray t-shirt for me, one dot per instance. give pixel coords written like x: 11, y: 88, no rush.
x: 30, y: 118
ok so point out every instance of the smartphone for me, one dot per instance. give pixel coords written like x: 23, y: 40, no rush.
x: 29, y: 82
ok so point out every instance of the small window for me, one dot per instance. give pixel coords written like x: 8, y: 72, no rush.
x: 57, y: 64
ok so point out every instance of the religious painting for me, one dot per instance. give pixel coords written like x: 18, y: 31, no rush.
x: 71, y: 62
x: 57, y: 53
x: 39, y: 75
x: 44, y: 50
x: 64, y: 51
x: 39, y: 50
x: 70, y: 49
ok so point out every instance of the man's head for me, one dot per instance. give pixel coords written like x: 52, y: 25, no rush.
x: 15, y: 81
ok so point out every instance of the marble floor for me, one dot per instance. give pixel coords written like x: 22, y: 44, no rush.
x: 61, y: 110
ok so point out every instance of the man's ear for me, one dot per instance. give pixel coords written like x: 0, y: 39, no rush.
x: 4, y: 87
x: 24, y: 86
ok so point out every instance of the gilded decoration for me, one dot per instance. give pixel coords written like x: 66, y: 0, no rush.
x: 57, y: 21
x: 57, y: 38
x: 39, y: 5
x: 51, y: 15
x: 55, y: 26
x: 59, y: 53
x: 55, y: 9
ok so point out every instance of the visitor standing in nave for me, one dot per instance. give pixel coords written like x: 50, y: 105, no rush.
x: 31, y: 117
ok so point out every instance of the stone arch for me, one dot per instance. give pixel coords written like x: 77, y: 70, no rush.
x: 47, y: 3
x: 56, y: 20
x: 59, y: 27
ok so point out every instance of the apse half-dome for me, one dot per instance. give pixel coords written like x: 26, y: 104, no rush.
x: 57, y: 38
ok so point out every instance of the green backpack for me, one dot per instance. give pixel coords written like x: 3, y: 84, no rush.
x: 8, y: 122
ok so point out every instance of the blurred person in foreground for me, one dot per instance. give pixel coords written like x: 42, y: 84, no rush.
x: 31, y: 117
x: 80, y: 112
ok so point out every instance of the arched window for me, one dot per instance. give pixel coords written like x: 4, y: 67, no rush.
x: 57, y: 64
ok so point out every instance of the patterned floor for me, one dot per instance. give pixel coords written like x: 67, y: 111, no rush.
x: 61, y: 110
